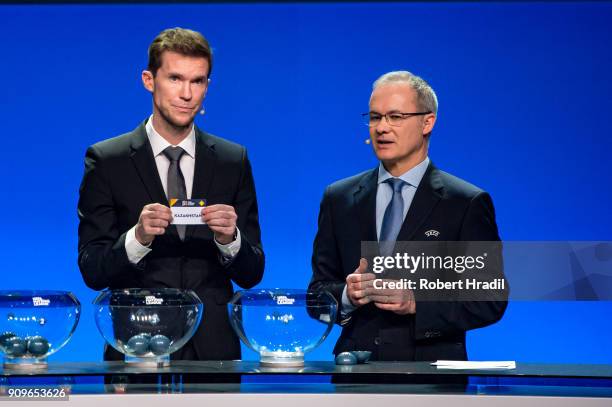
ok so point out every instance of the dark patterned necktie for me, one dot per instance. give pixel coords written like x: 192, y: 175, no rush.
x: 176, y: 182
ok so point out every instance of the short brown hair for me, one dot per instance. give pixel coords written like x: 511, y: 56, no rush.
x: 182, y: 41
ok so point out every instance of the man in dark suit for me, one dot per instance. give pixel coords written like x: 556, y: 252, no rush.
x: 406, y: 198
x: 126, y: 238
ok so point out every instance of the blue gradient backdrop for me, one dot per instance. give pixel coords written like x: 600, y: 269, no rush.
x: 525, y: 104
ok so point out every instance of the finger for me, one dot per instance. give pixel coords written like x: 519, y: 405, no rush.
x: 358, y: 299
x: 167, y: 217
x: 355, y: 277
x: 360, y: 285
x: 158, y: 213
x: 382, y: 291
x: 163, y: 211
x: 362, y: 301
x: 157, y: 207
x: 372, y: 291
x: 208, y: 216
x: 385, y: 299
x: 368, y: 277
x: 161, y: 223
x: 219, y: 215
x: 154, y: 231
x: 388, y: 307
x: 149, y: 207
x: 390, y: 291
x: 358, y: 294
x: 367, y: 285
x: 155, y: 219
x: 223, y: 223
x: 217, y: 208
x: 381, y: 299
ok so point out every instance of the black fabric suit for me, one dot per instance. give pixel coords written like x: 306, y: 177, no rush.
x: 442, y: 202
x: 120, y: 178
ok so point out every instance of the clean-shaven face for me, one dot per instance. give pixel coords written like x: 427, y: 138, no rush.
x: 178, y: 88
x: 406, y: 145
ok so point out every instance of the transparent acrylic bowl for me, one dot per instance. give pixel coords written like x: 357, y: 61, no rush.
x: 35, y: 324
x: 147, y: 324
x: 282, y: 324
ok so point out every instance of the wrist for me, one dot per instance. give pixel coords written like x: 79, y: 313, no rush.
x: 226, y: 239
x: 141, y: 239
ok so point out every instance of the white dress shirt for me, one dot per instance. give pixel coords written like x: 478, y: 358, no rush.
x: 135, y: 250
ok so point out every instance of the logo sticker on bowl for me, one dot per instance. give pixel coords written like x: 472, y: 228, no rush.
x: 153, y: 300
x: 40, y: 302
x: 284, y: 300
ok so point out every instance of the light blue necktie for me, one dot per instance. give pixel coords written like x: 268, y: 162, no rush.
x: 393, y: 217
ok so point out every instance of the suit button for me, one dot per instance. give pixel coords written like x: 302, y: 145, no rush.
x: 377, y: 341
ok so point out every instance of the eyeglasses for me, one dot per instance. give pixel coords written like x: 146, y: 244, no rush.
x: 372, y: 119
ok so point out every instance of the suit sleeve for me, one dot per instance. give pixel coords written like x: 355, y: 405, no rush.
x: 247, y: 268
x: 102, y: 258
x: 327, y: 274
x: 453, y: 318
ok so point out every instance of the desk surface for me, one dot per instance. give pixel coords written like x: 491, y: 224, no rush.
x: 247, y: 378
x: 246, y: 368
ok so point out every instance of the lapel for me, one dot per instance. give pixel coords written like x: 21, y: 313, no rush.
x: 204, y: 170
x: 142, y: 157
x: 428, y: 194
x: 365, y: 199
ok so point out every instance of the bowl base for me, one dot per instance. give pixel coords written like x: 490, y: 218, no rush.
x: 156, y: 361
x: 281, y: 359
x: 25, y: 364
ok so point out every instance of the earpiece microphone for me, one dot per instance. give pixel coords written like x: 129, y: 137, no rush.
x: 367, y: 141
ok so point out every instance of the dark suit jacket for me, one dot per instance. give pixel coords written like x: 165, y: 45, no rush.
x: 120, y: 179
x: 455, y: 208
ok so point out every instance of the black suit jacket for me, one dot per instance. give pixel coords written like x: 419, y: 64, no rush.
x: 120, y: 178
x: 458, y: 210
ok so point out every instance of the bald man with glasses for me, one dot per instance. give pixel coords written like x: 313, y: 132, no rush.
x: 405, y: 198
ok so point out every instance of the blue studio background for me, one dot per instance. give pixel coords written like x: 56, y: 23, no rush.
x: 525, y: 104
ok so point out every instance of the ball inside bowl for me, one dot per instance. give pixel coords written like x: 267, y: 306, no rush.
x: 37, y: 345
x: 362, y: 355
x: 138, y: 344
x: 4, y: 338
x: 15, y: 346
x: 159, y: 344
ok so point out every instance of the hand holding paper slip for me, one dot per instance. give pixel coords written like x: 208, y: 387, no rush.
x: 462, y: 364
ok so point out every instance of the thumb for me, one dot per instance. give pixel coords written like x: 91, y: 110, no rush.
x: 363, y: 266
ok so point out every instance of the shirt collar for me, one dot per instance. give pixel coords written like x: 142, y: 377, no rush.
x: 413, y: 176
x: 159, y: 144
